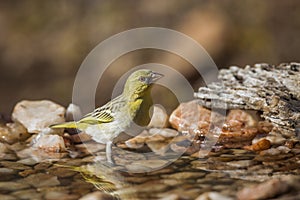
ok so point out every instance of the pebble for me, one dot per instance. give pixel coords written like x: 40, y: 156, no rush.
x: 264, y: 190
x: 28, y: 194
x: 241, y: 163
x: 7, y: 197
x: 213, y: 196
x: 14, y: 165
x: 41, y: 180
x: 96, y: 196
x: 50, y: 143
x: 90, y: 147
x: 37, y: 116
x: 28, y: 161
x: 6, y: 171
x: 159, y: 118
x: 146, y: 165
x: 54, y: 195
x: 73, y: 111
x: 12, y: 186
x: 185, y: 175
x: 262, y: 144
x: 13, y: 132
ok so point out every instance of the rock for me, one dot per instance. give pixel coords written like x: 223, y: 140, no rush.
x: 185, y: 175
x: 37, y: 116
x: 28, y: 194
x: 264, y: 190
x: 73, y: 112
x: 13, y: 132
x: 241, y: 163
x: 14, y: 165
x: 276, y: 138
x: 7, y: 197
x: 50, y: 143
x: 3, y: 149
x: 238, y: 128
x: 189, y: 117
x: 157, y: 140
x: 262, y: 144
x: 275, y: 151
x: 159, y: 118
x: 60, y: 194
x: 241, y: 88
x: 213, y: 196
x: 146, y: 165
x: 80, y: 137
x: 41, y: 180
x: 12, y: 186
x: 90, y: 147
x: 96, y: 196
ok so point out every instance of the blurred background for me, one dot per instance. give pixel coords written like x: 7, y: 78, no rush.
x: 43, y: 43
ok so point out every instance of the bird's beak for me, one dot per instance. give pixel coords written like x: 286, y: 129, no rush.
x: 155, y: 76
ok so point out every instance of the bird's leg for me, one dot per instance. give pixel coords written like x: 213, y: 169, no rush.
x: 109, y: 153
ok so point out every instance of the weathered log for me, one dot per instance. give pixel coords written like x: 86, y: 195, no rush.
x: 272, y: 90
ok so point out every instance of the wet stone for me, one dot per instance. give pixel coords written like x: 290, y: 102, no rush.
x: 37, y: 116
x: 148, y: 164
x: 241, y: 163
x: 185, y: 175
x: 96, y: 195
x: 14, y: 165
x: 7, y: 197
x: 213, y: 196
x: 54, y: 195
x: 12, y: 186
x: 28, y: 194
x: 28, y: 161
x: 41, y: 180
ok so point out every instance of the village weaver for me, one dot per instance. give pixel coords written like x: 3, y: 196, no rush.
x: 108, y: 121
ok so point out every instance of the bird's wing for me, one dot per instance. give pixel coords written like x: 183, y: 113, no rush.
x: 105, y: 113
x: 98, y: 116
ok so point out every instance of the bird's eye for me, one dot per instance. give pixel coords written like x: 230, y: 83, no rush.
x: 142, y: 79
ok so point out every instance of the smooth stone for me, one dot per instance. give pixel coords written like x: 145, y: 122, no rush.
x: 165, y: 132
x: 90, y: 147
x: 73, y: 111
x: 7, y: 171
x: 65, y: 195
x: 28, y: 161
x: 185, y: 175
x: 264, y: 190
x: 213, y: 196
x: 28, y: 194
x: 61, y: 172
x: 153, y: 164
x: 13, y: 132
x: 41, y: 180
x: 8, y: 157
x: 37, y: 116
x: 241, y: 163
x: 170, y: 197
x: 7, y: 197
x: 13, y: 186
x: 50, y: 143
x: 159, y: 118
x: 96, y: 196
x: 14, y: 165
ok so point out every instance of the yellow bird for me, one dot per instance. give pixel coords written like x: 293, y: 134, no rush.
x: 108, y: 121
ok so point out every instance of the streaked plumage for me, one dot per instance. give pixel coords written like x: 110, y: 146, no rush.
x: 108, y: 121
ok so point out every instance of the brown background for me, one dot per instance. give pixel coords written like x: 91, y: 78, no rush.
x: 43, y: 43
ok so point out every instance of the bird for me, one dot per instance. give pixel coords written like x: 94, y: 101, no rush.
x: 108, y: 121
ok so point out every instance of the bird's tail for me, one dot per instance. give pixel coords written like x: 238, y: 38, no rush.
x: 65, y: 125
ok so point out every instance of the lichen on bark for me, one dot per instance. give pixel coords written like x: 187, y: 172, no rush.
x: 272, y: 90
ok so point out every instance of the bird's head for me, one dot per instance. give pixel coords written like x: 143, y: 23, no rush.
x: 139, y: 81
